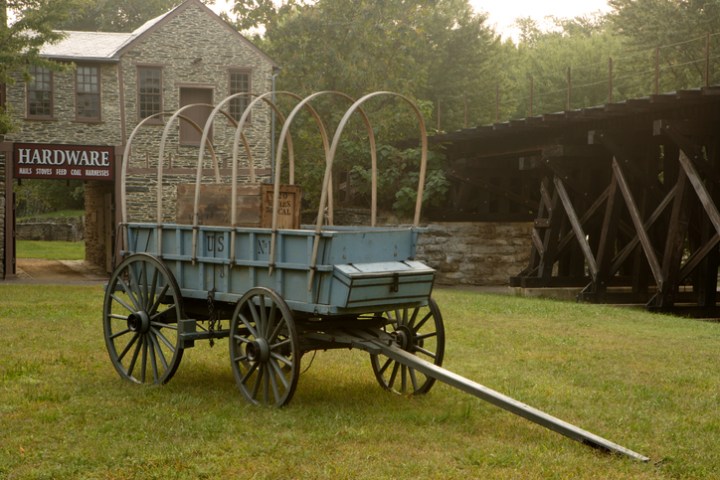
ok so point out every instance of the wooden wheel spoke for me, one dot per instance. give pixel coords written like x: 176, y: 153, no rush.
x: 413, y: 317
x: 124, y: 304
x: 281, y: 358
x: 136, y: 353
x: 156, y: 304
x: 413, y: 379
x: 277, y: 375
x: 153, y: 288
x: 280, y: 374
x: 270, y: 322
x: 161, y: 336
x: 249, y: 325
x: 128, y: 347
x: 393, y: 375
x: 387, y: 363
x: 119, y: 334
x: 422, y: 322
x: 258, y: 381
x: 241, y: 338
x: 154, y: 354
x: 250, y: 371
x: 425, y: 352
x: 129, y: 292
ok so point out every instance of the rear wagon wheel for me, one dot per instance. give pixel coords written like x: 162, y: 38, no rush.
x: 419, y: 331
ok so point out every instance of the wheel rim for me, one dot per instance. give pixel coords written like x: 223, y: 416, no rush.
x: 419, y: 331
x: 140, y: 320
x: 264, y: 350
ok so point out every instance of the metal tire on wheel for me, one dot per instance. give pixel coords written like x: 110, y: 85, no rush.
x: 141, y: 311
x: 264, y: 350
x: 419, y: 331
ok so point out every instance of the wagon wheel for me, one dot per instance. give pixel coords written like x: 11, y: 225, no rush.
x: 264, y: 350
x: 419, y: 331
x: 140, y: 320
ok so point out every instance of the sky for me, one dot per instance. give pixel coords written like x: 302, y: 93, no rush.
x: 502, y: 13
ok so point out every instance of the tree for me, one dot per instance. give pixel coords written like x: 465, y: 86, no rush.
x: 115, y: 15
x: 25, y: 26
x: 571, y: 58
x: 438, y: 52
x: 671, y: 33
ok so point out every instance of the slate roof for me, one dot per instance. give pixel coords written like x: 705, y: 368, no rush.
x: 95, y: 46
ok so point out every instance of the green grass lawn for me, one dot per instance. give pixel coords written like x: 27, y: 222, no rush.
x: 647, y: 382
x: 50, y: 250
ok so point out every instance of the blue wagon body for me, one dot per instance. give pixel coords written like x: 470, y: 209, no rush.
x: 358, y: 269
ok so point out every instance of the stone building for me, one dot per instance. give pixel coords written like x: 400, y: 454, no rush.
x: 74, y: 123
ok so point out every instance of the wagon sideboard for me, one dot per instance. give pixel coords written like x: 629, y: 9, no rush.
x: 359, y: 270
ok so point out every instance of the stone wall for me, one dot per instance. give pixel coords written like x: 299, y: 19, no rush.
x: 65, y: 229
x: 475, y: 253
x: 194, y: 50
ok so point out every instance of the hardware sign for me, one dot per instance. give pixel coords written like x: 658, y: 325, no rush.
x: 81, y: 162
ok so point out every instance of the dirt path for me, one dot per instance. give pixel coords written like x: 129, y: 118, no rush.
x: 32, y: 270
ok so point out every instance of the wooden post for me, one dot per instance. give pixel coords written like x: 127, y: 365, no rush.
x: 657, y: 70
x: 465, y: 105
x: 497, y: 102
x: 569, y: 88
x: 610, y: 79
x: 532, y: 95
x: 437, y: 110
x: 707, y: 60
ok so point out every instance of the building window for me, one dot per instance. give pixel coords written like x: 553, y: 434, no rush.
x: 149, y: 91
x: 239, y: 83
x: 87, y: 93
x: 40, y: 93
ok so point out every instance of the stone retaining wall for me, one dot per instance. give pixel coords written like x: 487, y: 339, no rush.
x: 68, y: 230
x: 468, y: 253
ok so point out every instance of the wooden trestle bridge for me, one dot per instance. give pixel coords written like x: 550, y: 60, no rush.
x: 628, y: 207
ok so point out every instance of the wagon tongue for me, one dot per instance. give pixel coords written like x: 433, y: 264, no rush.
x: 395, y: 352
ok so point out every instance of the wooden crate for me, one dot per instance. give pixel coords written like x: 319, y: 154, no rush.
x: 254, y: 205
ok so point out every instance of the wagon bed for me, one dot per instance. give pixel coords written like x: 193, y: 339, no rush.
x: 359, y: 269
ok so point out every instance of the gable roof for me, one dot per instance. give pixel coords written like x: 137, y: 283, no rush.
x: 109, y: 47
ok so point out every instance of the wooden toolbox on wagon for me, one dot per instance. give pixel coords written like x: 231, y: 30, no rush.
x: 254, y: 205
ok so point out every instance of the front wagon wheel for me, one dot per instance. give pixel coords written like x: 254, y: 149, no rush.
x: 264, y: 350
x: 140, y: 320
x: 419, y: 331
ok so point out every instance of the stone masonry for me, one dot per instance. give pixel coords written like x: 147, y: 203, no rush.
x: 467, y: 253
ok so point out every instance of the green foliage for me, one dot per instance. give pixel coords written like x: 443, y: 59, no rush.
x: 35, y: 197
x: 440, y: 52
x: 398, y: 180
x: 576, y: 51
x: 671, y: 32
x: 114, y: 15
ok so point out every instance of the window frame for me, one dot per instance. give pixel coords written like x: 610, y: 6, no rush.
x: 234, y: 111
x: 145, y: 68
x: 79, y: 95
x: 33, y: 71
